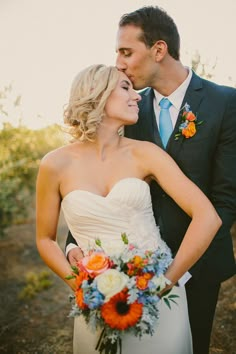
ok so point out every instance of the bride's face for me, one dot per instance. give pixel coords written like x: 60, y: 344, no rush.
x: 122, y: 104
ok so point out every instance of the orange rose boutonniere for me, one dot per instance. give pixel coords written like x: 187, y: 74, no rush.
x: 188, y: 126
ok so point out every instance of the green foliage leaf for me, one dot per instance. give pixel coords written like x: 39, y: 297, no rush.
x: 124, y: 238
x: 98, y: 242
x: 75, y: 269
x: 167, y: 302
x: 69, y: 277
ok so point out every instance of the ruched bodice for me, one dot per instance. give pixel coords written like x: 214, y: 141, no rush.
x: 127, y: 208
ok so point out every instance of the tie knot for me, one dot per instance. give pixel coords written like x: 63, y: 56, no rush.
x: 165, y: 103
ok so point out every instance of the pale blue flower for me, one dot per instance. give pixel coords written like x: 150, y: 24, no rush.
x: 183, y: 125
x: 93, y: 299
x: 187, y: 107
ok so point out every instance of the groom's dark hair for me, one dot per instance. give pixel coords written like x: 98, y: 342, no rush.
x: 156, y: 25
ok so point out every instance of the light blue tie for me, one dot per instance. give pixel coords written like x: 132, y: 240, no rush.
x: 165, y: 123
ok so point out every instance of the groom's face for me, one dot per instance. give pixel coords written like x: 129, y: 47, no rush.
x: 134, y: 58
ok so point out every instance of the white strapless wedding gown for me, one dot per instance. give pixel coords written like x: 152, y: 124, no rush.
x: 127, y: 208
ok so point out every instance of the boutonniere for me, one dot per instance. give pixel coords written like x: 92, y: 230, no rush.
x: 189, y: 123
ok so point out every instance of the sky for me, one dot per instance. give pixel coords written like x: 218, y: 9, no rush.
x: 45, y: 43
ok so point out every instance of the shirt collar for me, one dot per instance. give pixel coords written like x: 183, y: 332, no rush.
x: 176, y: 97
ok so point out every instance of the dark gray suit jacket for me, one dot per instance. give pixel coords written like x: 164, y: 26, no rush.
x: 208, y: 159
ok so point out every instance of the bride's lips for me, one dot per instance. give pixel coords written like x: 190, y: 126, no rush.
x: 135, y: 106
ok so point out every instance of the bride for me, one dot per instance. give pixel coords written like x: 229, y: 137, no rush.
x: 100, y: 181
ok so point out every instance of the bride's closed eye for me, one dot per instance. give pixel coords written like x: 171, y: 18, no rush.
x: 125, y: 85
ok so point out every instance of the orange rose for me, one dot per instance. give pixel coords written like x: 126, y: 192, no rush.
x: 95, y: 263
x: 190, y: 130
x: 190, y: 116
x: 148, y: 275
x: 141, y: 282
x: 138, y: 261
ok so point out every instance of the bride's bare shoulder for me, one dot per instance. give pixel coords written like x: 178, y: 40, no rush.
x: 142, y: 147
x: 59, y: 158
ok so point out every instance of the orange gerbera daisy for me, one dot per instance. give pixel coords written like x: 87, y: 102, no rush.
x: 120, y: 315
x: 80, y: 277
x: 80, y: 299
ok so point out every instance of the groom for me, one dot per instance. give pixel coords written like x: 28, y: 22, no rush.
x: 148, y: 52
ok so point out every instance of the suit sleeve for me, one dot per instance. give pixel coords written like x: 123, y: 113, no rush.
x: 70, y: 239
x: 223, y: 193
x: 223, y: 189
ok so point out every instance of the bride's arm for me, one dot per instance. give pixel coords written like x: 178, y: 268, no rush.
x: 205, y: 221
x: 48, y: 202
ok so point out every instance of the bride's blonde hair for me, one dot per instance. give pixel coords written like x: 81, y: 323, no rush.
x: 89, y: 93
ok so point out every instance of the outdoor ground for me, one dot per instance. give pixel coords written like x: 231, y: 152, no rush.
x: 40, y: 325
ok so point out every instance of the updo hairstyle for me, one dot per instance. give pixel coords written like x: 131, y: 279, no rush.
x: 89, y: 93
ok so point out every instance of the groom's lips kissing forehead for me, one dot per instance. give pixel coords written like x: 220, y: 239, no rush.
x: 131, y: 77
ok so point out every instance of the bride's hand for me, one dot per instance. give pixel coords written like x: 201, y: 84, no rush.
x: 74, y: 256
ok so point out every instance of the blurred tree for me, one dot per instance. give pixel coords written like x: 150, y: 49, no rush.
x: 20, y: 152
x: 10, y: 108
x: 206, y: 68
x: 203, y: 68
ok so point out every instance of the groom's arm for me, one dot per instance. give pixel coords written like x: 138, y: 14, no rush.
x: 223, y: 193
x: 223, y: 184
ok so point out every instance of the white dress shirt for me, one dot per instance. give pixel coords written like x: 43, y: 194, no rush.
x: 176, y: 98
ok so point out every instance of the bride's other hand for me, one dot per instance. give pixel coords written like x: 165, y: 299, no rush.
x: 74, y: 256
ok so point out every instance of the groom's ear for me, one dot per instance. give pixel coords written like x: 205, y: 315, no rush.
x: 160, y: 49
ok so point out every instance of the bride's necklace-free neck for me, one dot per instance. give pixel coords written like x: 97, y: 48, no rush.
x: 106, y: 146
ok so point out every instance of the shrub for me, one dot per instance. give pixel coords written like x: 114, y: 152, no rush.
x: 21, y: 150
x: 35, y: 283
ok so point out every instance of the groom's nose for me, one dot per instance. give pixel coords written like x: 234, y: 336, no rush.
x: 120, y: 63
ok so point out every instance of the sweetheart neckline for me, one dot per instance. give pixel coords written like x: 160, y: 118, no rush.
x: 101, y: 196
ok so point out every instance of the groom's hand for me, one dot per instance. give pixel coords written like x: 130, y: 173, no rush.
x: 74, y: 256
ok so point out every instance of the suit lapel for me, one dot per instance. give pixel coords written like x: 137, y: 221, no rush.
x: 147, y: 120
x: 193, y: 97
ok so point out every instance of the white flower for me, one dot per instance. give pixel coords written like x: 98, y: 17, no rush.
x: 111, y: 282
x: 159, y: 282
x: 114, y: 249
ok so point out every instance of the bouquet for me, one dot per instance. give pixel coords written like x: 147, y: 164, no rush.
x: 119, y: 293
